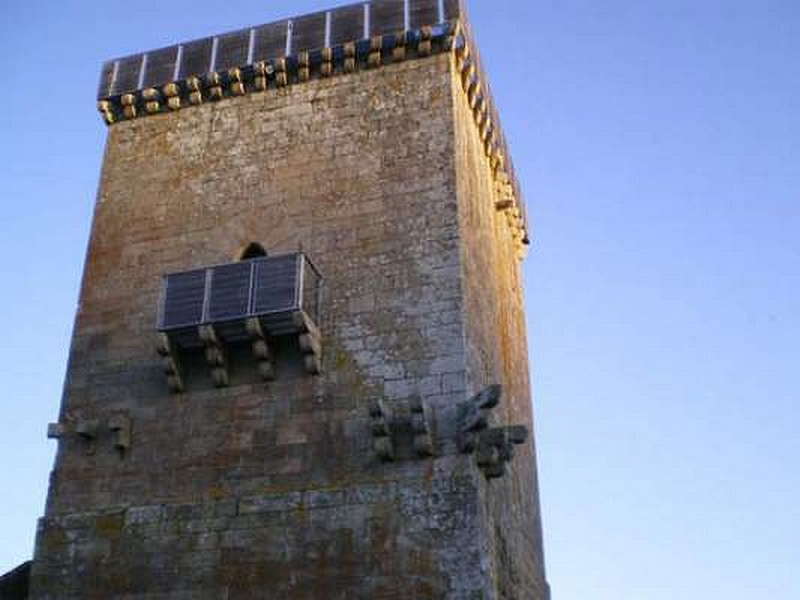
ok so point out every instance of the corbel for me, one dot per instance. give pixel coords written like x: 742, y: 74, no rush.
x: 473, y: 416
x: 215, y: 354
x: 496, y: 448
x: 311, y: 347
x: 421, y: 427
x: 152, y: 100
x: 173, y: 95
x: 172, y: 365
x: 468, y: 73
x: 493, y: 446
x: 375, y: 48
x: 303, y: 66
x: 236, y: 82
x: 214, y: 82
x: 128, y: 102
x: 399, y: 49
x: 381, y: 429
x: 326, y: 69
x: 261, y: 350
x: 281, y: 76
x: 120, y: 427
x: 84, y: 429
x: 195, y: 90
x: 425, y: 47
x: 349, y: 57
x: 104, y: 107
x: 262, y: 70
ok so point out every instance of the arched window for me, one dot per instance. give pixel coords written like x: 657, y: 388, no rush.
x: 252, y: 250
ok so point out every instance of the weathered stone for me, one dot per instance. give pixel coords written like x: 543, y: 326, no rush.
x: 282, y: 484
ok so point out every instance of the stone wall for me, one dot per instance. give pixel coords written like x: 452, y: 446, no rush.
x: 274, y: 490
x: 496, y: 349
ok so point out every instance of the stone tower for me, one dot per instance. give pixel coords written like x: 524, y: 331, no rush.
x: 299, y: 366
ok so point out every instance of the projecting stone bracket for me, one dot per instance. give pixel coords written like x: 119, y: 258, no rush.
x: 390, y: 424
x: 172, y: 364
x: 90, y: 431
x: 215, y: 354
x: 493, y: 447
x: 261, y: 349
x: 310, y: 342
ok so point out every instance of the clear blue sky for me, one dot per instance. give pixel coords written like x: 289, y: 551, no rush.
x: 658, y: 144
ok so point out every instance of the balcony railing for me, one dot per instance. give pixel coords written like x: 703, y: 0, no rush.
x: 280, y: 292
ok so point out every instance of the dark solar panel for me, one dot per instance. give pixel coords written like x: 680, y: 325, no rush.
x: 183, y: 300
x: 106, y: 78
x: 230, y: 291
x: 347, y: 24
x: 127, y: 75
x: 196, y: 58
x: 423, y: 12
x: 232, y: 50
x: 275, y: 284
x: 160, y: 66
x: 308, y: 33
x: 452, y: 9
x: 386, y: 17
x: 270, y: 41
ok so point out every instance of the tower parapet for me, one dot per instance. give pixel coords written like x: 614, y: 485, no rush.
x: 324, y: 44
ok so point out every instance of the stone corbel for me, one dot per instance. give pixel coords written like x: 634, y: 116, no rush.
x: 326, y: 69
x: 236, y: 82
x: 195, y: 87
x: 173, y: 95
x: 375, y: 47
x: 382, y: 429
x: 281, y: 74
x: 425, y: 46
x: 104, y: 107
x: 421, y: 427
x: 349, y: 57
x: 152, y: 100
x: 493, y: 446
x: 172, y: 364
x: 128, y: 102
x: 310, y: 342
x: 399, y: 49
x: 261, y: 349
x: 214, y: 82
x: 303, y: 66
x: 262, y: 71
x: 120, y: 427
x: 215, y: 355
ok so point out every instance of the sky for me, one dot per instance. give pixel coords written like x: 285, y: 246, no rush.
x: 658, y: 147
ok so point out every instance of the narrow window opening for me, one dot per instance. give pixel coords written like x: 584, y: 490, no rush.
x: 252, y: 250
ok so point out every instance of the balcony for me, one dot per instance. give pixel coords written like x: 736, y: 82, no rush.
x: 251, y: 301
